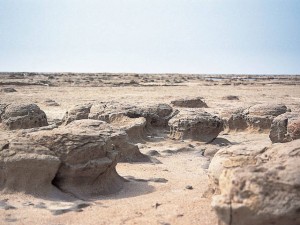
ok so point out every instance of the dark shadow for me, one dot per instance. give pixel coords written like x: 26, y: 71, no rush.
x: 221, y: 142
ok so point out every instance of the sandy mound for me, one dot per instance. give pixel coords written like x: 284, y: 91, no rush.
x: 190, y: 103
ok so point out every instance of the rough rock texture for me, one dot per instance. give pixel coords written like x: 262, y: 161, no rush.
x: 2, y: 110
x: 265, y: 193
x: 28, y: 168
x: 195, y: 124
x: 190, y: 103
x: 23, y: 116
x: 285, y: 127
x: 88, y: 155
x: 78, y: 112
x: 233, y: 157
x: 134, y: 127
x: 257, y: 117
x: 156, y: 115
x: 8, y: 90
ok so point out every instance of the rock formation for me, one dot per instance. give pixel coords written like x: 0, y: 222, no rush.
x: 22, y: 116
x: 257, y: 117
x: 285, y: 127
x: 190, y: 103
x: 264, y: 193
x: 195, y: 124
x: 79, y: 159
x: 77, y: 112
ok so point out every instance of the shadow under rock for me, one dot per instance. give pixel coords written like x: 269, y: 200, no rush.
x: 222, y: 142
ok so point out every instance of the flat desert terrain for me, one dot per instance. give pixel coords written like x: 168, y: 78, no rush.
x: 170, y: 182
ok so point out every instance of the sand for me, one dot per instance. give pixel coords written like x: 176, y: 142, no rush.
x: 141, y: 202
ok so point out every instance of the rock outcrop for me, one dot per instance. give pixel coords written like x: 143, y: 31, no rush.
x: 190, y: 103
x: 77, y: 112
x: 27, y: 167
x: 88, y: 155
x: 285, y: 128
x: 233, y: 157
x: 22, y: 116
x: 196, y: 125
x: 78, y: 159
x: 257, y: 117
x: 264, y: 193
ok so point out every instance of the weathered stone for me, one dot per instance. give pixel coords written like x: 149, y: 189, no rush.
x: 195, y: 124
x: 265, y: 193
x: 257, y: 117
x: 77, y: 112
x: 23, y: 116
x: 29, y: 168
x: 285, y: 127
x: 190, y: 103
x: 88, y: 156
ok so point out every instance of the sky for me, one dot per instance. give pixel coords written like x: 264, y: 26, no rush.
x: 151, y: 36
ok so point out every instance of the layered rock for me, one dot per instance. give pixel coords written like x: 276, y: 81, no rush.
x: 264, y: 193
x: 87, y: 154
x: 285, y: 128
x: 257, y: 117
x: 22, y: 116
x: 78, y: 158
x: 196, y: 125
x: 27, y: 167
x: 190, y: 103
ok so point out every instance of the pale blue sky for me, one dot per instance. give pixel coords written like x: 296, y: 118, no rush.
x: 158, y: 36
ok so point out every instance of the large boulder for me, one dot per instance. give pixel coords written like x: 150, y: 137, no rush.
x: 285, y: 128
x: 196, y: 125
x: 88, y: 155
x: 264, y: 193
x: 257, y: 117
x: 190, y: 103
x: 23, y: 116
x: 233, y: 157
x: 27, y: 167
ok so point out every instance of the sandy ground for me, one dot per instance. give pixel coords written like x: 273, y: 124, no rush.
x: 168, y: 201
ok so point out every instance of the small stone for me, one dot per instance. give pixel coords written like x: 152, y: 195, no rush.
x: 189, y: 187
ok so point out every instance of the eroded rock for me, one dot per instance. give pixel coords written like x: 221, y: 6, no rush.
x: 257, y: 117
x: 190, y: 103
x: 195, y: 124
x: 285, y: 128
x: 265, y: 193
x: 77, y: 112
x: 27, y: 167
x: 23, y: 116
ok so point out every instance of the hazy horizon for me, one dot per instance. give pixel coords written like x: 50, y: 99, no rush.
x: 259, y: 37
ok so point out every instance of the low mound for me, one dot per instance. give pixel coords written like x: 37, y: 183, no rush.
x: 23, y: 116
x: 190, y: 103
x: 195, y: 124
x: 8, y: 90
